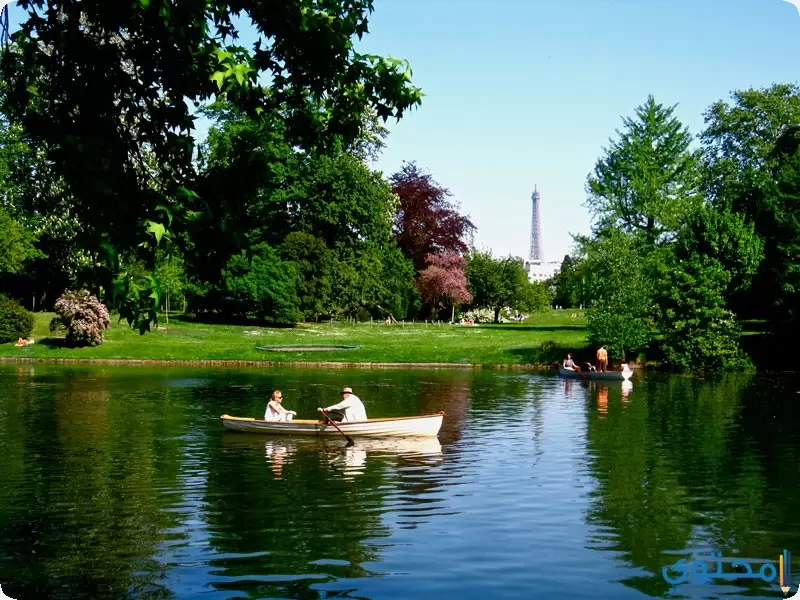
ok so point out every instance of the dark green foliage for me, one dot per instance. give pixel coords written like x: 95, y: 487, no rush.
x: 752, y: 168
x: 313, y: 263
x: 699, y: 333
x: 261, y: 285
x: 248, y: 172
x: 374, y: 277
x: 728, y: 238
x: 15, y: 321
x: 340, y: 200
x: 329, y: 215
x: 138, y: 298
x: 569, y: 283
x: 778, y: 223
x: 107, y: 90
x: 739, y: 141
x: 621, y: 304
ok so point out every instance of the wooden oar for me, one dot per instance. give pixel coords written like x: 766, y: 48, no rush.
x: 350, y: 441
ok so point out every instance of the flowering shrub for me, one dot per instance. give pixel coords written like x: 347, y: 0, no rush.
x: 479, y: 315
x: 83, y: 316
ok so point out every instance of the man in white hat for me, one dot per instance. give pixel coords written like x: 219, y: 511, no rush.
x: 351, y: 406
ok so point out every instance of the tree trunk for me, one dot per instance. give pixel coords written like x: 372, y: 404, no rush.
x: 496, y: 315
x: 453, y: 314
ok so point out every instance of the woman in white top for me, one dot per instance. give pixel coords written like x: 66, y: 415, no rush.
x: 276, y: 412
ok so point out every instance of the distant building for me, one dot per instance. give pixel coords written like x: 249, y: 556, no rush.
x: 538, y: 269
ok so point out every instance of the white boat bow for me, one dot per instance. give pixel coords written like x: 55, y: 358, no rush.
x: 421, y: 426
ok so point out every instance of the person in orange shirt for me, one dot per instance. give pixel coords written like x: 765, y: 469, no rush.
x: 602, y: 359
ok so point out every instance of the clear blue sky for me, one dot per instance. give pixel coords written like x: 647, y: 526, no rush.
x: 524, y: 92
x: 528, y: 92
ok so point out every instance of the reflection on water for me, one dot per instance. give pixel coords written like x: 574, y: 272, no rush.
x: 121, y: 483
x: 350, y: 460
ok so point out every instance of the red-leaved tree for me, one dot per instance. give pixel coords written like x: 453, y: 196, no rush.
x: 427, y: 221
x: 443, y: 282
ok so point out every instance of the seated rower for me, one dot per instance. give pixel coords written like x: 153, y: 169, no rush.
x: 589, y: 366
x: 351, y: 405
x: 276, y: 412
x: 570, y: 365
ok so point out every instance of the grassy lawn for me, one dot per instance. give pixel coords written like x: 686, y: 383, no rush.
x: 543, y: 339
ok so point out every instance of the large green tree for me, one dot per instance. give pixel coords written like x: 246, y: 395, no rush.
x: 108, y: 90
x: 499, y: 282
x: 752, y: 168
x: 569, y: 283
x: 738, y: 143
x: 327, y: 211
x: 620, y: 311
x: 648, y: 180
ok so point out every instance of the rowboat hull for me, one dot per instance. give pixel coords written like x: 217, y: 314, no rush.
x: 608, y: 375
x: 423, y: 426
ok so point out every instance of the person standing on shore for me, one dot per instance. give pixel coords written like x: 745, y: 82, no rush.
x: 602, y: 359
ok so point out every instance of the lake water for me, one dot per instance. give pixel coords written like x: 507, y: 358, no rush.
x: 121, y: 483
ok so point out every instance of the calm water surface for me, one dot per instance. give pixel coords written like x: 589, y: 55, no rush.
x: 121, y: 483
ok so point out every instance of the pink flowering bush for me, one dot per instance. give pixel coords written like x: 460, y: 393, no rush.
x: 83, y: 316
x: 443, y: 280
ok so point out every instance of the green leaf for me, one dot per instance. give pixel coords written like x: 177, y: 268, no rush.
x: 241, y: 70
x: 144, y: 4
x: 219, y: 77
x: 222, y: 55
x: 157, y: 229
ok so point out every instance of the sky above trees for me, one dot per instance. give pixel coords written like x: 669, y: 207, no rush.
x: 525, y: 93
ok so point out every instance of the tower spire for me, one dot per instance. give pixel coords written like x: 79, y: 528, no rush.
x: 535, y: 255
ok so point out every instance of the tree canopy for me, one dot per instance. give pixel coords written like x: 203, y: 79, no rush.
x: 106, y: 90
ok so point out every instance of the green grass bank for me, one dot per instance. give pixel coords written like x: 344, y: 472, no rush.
x: 541, y: 341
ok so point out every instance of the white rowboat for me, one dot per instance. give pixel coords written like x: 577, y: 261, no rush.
x: 422, y: 426
x: 608, y: 375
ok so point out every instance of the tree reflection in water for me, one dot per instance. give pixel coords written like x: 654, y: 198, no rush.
x: 683, y: 468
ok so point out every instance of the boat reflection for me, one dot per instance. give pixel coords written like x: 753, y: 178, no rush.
x: 627, y: 386
x: 352, y: 460
x: 602, y: 401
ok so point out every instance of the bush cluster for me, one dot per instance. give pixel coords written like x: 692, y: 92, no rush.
x: 15, y: 321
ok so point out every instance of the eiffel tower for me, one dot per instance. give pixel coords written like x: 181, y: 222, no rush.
x: 535, y: 255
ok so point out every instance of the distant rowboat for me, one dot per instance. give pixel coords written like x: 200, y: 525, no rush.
x: 422, y: 426
x: 608, y: 375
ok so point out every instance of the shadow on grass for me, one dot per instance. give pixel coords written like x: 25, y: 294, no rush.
x: 552, y: 328
x: 225, y: 319
x: 53, y: 343
x: 551, y: 353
